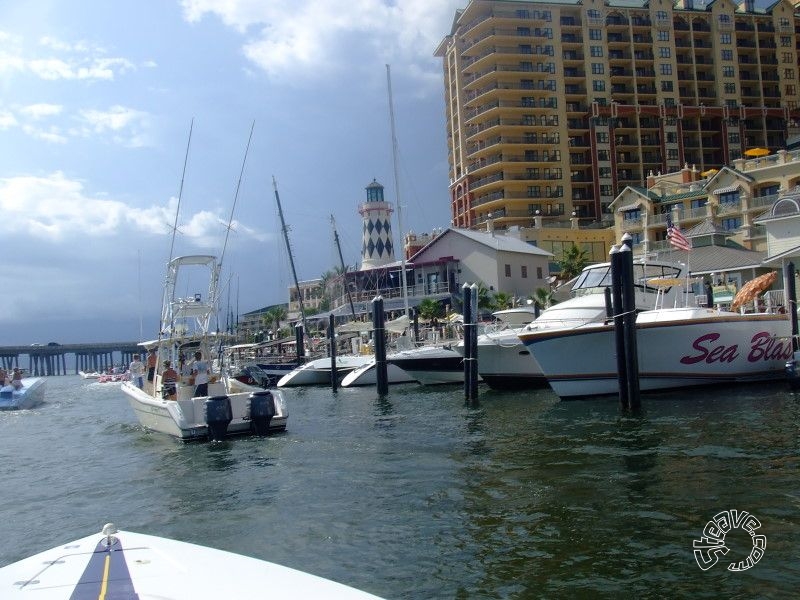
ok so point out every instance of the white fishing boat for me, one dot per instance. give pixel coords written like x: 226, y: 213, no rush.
x: 505, y: 363
x: 126, y: 565
x: 677, y: 347
x: 29, y: 394
x: 229, y: 406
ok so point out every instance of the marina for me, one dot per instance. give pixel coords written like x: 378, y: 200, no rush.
x: 415, y: 495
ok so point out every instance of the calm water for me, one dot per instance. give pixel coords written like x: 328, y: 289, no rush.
x: 417, y: 496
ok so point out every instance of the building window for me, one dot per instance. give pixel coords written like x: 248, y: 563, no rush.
x: 727, y: 54
x: 786, y: 41
x: 664, y: 52
x: 604, y: 172
x: 525, y: 49
x: 598, y: 85
x: 593, y: 13
x: 508, y: 270
x: 666, y: 86
x: 733, y: 137
x: 731, y: 223
x: 788, y: 73
x: 598, y: 68
x: 725, y: 38
x: 524, y: 31
x: 699, y: 203
x: 595, y: 34
x: 661, y: 15
x: 524, y: 272
x: 729, y: 197
x: 539, y: 273
x: 602, y: 137
x: 727, y: 71
x: 666, y: 69
x: 787, y: 58
x: 790, y: 90
x: 606, y: 190
x: 730, y: 88
x: 596, y: 51
x: 672, y: 154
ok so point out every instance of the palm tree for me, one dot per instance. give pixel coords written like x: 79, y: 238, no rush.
x: 502, y: 300
x: 430, y: 310
x: 273, y: 317
x: 572, y: 262
x: 543, y: 298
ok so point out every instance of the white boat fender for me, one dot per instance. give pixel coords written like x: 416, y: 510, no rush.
x: 218, y: 416
x: 262, y: 409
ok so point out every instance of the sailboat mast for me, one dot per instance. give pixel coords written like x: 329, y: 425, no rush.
x: 291, y: 258
x: 344, y: 268
x: 397, y: 196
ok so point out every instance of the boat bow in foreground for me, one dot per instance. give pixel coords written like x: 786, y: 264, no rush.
x: 126, y: 565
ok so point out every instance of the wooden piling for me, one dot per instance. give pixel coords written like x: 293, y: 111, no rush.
x: 332, y: 351
x: 379, y: 338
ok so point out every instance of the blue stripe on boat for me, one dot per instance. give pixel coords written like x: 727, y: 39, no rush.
x: 106, y: 576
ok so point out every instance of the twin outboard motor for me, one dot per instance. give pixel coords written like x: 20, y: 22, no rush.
x: 218, y: 416
x: 262, y: 409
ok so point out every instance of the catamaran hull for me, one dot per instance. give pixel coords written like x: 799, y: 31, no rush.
x: 672, y: 353
x: 431, y: 366
x: 318, y: 372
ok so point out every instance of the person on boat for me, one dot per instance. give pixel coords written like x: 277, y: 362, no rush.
x: 169, y: 381
x: 136, y: 370
x: 152, y: 362
x: 16, y: 378
x: 3, y: 377
x: 200, y: 373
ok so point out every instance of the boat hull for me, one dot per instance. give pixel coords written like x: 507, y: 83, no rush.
x: 368, y: 375
x: 504, y: 363
x: 318, y: 372
x: 124, y: 564
x: 31, y: 394
x: 430, y: 366
x: 185, y: 417
x: 672, y: 353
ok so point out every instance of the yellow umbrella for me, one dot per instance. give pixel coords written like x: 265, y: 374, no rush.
x: 756, y: 152
x: 753, y: 288
x: 709, y: 172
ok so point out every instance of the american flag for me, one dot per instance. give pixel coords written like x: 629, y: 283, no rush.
x: 676, y: 238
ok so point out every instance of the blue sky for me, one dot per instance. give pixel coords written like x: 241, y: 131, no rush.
x: 96, y: 103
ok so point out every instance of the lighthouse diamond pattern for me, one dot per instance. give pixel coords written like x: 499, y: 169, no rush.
x: 377, y: 246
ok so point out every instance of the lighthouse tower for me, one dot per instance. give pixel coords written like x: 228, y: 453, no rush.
x: 377, y: 247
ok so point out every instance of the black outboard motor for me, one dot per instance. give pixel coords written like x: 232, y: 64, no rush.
x: 218, y: 416
x: 262, y: 409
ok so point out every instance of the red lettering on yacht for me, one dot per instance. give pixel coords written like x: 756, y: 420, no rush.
x: 764, y: 346
x: 709, y: 354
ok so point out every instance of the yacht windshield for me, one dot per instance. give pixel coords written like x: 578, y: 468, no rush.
x: 594, y: 279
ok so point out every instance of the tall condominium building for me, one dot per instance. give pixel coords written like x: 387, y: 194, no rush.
x: 553, y: 108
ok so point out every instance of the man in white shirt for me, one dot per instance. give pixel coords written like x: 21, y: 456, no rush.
x: 200, y: 372
x: 136, y: 371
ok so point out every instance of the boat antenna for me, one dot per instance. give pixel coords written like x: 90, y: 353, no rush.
x: 236, y: 194
x: 291, y: 258
x: 344, y: 268
x: 180, y: 192
x: 170, y: 289
x: 397, y: 194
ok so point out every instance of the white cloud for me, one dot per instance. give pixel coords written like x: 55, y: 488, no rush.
x: 52, y: 134
x: 41, y: 110
x: 54, y: 208
x: 128, y: 127
x: 312, y: 36
x: 7, y: 120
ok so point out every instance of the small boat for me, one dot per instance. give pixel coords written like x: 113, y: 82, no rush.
x: 229, y: 407
x: 366, y: 374
x: 677, y: 347
x: 30, y: 394
x: 127, y: 565
x: 428, y: 365
x: 90, y: 374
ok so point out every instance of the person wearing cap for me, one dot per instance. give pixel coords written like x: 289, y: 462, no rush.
x: 169, y: 380
x: 200, y: 373
x: 136, y: 369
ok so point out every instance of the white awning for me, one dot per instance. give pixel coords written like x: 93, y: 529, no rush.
x: 725, y: 190
x: 633, y: 206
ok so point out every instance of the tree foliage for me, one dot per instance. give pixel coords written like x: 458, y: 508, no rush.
x: 572, y: 262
